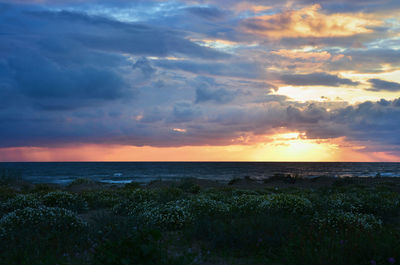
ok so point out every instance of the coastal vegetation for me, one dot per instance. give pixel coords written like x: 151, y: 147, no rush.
x: 201, y: 222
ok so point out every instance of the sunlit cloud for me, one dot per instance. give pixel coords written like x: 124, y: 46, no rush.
x: 310, y: 22
x: 248, y: 6
x: 299, y: 54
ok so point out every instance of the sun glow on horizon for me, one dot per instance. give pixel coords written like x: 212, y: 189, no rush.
x: 294, y: 146
x: 280, y: 147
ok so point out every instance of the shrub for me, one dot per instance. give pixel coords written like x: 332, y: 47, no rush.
x: 328, y: 246
x: 234, y: 181
x: 384, y: 203
x: 187, y: 184
x: 340, y: 220
x: 349, y: 202
x: 239, y: 235
x: 205, y: 206
x: 286, y: 203
x: 20, y: 201
x: 167, y: 194
x: 41, y: 220
x: 101, y: 198
x: 238, y: 192
x: 65, y: 200
x: 42, y: 188
x: 81, y: 181
x: 171, y: 215
x: 142, y: 247
x: 6, y: 193
x: 27, y: 234
x: 132, y: 185
x: 246, y: 204
x: 140, y: 208
x: 141, y: 195
x: 124, y: 207
x: 133, y: 199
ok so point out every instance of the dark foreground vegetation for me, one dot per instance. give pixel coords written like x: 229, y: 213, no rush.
x: 195, y: 222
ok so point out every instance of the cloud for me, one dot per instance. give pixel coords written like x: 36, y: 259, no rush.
x: 102, y: 33
x: 211, y: 13
x: 113, y: 72
x: 382, y: 85
x: 52, y: 86
x: 233, y: 68
x: 145, y: 66
x: 64, y: 60
x: 302, y: 55
x: 131, y: 38
x: 184, y: 112
x: 309, y: 22
x: 316, y: 79
x: 367, y: 60
x: 207, y: 90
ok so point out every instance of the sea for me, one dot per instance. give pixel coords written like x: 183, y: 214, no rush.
x: 143, y: 172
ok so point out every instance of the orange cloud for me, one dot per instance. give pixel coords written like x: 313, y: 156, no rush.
x: 294, y: 54
x: 310, y: 22
x: 247, y: 6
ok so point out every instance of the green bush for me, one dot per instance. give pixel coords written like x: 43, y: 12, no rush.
x: 132, y: 185
x: 205, y: 206
x: 246, y: 204
x: 241, y: 236
x: 141, y: 195
x: 99, y: 199
x: 6, y: 193
x: 81, y: 181
x: 340, y: 220
x: 312, y: 246
x: 167, y: 194
x: 287, y: 203
x: 65, y: 200
x: 42, y: 188
x: 383, y: 203
x: 133, y: 199
x: 144, y: 248
x: 28, y: 235
x: 172, y: 215
x: 189, y: 185
x: 20, y: 201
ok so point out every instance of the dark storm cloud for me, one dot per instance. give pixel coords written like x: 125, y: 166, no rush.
x: 316, y: 79
x: 66, y: 60
x: 111, y: 35
x: 47, y: 82
x: 382, y: 85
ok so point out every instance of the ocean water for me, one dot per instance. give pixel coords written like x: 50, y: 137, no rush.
x: 124, y: 172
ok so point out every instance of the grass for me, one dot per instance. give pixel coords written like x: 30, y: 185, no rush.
x: 186, y: 223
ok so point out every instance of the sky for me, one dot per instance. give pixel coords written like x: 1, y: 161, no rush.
x: 199, y: 80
